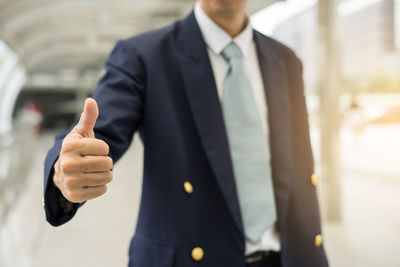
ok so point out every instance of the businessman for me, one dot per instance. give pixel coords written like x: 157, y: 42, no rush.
x: 228, y: 170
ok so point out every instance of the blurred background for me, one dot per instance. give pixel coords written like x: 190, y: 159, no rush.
x: 52, y: 54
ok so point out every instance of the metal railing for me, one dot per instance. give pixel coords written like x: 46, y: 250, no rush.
x: 16, y: 151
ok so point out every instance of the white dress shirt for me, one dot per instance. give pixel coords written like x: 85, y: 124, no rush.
x: 217, y: 39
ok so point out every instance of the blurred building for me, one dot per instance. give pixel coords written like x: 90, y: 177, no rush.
x: 62, y: 46
x: 367, y: 33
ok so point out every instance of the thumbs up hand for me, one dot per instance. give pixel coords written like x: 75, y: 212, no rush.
x: 83, y: 168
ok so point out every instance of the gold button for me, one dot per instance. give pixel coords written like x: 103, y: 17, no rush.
x: 318, y: 240
x: 43, y: 202
x: 188, y: 187
x: 314, y: 179
x: 197, y: 254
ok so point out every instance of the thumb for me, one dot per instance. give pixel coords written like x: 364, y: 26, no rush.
x: 88, y: 118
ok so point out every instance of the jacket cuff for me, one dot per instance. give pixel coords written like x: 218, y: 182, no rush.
x: 58, y: 209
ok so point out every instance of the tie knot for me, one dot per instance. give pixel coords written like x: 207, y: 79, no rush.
x: 231, y: 51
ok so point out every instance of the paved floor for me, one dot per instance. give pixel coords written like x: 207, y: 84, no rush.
x: 99, y: 234
x: 369, y: 234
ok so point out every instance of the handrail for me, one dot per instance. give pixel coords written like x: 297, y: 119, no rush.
x: 16, y: 149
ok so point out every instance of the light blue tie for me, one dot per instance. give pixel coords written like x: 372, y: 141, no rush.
x: 248, y: 148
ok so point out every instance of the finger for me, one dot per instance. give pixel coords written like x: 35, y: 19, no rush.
x: 90, y: 164
x: 84, y: 180
x: 97, y: 179
x: 92, y: 147
x: 93, y: 192
x: 86, y: 164
x: 88, y: 118
x: 85, y: 146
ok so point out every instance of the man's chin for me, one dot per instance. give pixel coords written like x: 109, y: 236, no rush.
x: 225, y: 7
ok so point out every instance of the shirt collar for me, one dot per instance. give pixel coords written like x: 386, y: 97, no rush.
x: 216, y: 38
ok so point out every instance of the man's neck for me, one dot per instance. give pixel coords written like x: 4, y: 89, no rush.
x: 232, y: 23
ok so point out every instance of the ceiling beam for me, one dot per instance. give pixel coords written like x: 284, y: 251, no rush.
x: 60, y: 33
x: 67, y: 50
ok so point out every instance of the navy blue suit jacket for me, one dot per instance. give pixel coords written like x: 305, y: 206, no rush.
x: 161, y: 84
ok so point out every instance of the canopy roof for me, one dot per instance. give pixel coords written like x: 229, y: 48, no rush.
x: 54, y: 35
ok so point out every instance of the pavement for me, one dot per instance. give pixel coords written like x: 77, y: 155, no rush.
x: 99, y: 235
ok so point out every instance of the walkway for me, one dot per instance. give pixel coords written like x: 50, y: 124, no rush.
x: 99, y: 234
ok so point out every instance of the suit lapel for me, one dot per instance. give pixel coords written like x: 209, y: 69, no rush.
x: 279, y: 121
x: 206, y: 110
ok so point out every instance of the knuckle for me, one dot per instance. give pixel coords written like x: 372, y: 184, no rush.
x: 106, y: 148
x: 86, y: 168
x: 103, y: 147
x: 67, y: 165
x: 109, y: 163
x: 83, y: 143
x: 99, y: 144
x: 69, y: 145
x: 109, y: 177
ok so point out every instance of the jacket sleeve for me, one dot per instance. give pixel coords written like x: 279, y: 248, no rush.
x: 302, y: 146
x: 120, y: 97
x: 306, y: 193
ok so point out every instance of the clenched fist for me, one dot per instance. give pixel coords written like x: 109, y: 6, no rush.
x: 83, y: 168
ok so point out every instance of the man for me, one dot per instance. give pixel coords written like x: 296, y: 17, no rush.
x: 228, y: 170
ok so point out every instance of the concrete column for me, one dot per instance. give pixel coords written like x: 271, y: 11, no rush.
x: 329, y: 90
